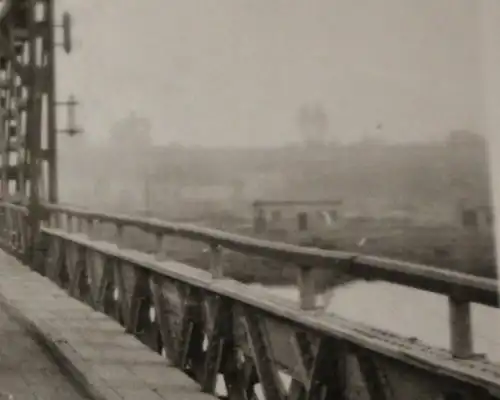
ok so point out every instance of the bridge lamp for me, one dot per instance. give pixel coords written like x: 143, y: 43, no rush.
x: 66, y: 25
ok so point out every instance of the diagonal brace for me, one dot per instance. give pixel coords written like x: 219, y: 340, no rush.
x: 7, y: 51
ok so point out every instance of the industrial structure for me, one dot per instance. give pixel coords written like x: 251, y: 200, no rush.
x: 297, y: 215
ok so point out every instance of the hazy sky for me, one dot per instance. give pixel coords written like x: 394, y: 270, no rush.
x: 236, y: 71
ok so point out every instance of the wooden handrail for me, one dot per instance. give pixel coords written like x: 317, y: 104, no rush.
x: 461, y: 289
x: 458, y: 285
x: 356, y: 335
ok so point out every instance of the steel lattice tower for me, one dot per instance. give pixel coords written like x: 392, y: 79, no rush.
x: 28, y: 131
x: 27, y: 100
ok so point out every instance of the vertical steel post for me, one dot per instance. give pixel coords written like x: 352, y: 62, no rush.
x: 34, y: 103
x: 52, y: 154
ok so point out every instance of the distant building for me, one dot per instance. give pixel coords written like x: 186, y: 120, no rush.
x: 313, y: 124
x: 465, y: 137
x: 296, y: 216
x: 475, y: 217
x: 468, y: 167
x: 131, y: 133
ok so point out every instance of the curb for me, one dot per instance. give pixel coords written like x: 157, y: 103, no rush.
x: 64, y: 356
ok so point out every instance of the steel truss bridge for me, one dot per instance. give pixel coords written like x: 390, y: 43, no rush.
x: 207, y: 325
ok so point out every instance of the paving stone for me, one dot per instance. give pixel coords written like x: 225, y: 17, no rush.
x: 158, y: 377
x: 118, y: 375
x: 109, y: 362
x: 136, y: 394
x: 26, y: 371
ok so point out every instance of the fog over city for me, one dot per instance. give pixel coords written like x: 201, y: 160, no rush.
x: 322, y: 173
x: 379, y: 104
x: 250, y: 199
x: 236, y: 73
x: 192, y: 109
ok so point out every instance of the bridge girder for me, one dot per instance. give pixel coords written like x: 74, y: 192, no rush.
x: 28, y: 132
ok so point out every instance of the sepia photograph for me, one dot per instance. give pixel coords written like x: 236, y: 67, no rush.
x: 249, y: 199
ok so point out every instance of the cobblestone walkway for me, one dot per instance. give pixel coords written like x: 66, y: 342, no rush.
x: 26, y: 371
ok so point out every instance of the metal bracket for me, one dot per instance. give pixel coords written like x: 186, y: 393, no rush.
x: 72, y: 129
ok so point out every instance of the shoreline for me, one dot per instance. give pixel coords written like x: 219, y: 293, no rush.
x: 258, y: 270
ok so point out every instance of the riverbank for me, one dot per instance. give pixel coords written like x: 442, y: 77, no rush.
x: 448, y: 250
x: 241, y: 267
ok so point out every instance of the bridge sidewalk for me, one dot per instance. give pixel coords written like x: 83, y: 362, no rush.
x: 104, y: 360
x: 26, y: 371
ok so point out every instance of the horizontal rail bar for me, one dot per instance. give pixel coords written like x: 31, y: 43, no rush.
x: 418, y: 276
x: 14, y: 207
x: 476, y: 371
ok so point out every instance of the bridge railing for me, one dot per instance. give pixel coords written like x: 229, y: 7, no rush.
x: 14, y: 228
x: 461, y: 289
x: 102, y: 274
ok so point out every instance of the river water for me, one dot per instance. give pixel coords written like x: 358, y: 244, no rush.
x: 407, y: 312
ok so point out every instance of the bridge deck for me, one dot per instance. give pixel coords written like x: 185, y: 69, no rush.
x: 27, y: 372
x: 105, y: 361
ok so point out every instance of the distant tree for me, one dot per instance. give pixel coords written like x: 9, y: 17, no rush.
x: 313, y: 124
x: 131, y: 132
x: 373, y: 139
